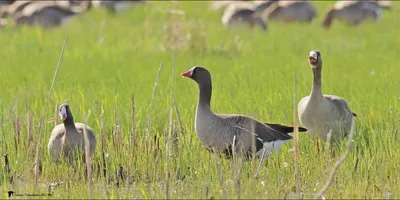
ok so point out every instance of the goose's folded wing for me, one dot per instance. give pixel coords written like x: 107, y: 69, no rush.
x: 263, y: 131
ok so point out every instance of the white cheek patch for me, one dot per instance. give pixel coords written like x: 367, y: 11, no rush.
x: 63, y: 112
x: 314, y: 55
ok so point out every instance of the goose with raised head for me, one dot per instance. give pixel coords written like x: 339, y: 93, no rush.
x: 221, y: 131
x: 67, y: 137
x: 290, y: 11
x: 324, y: 114
x: 353, y: 12
x: 240, y: 13
x: 49, y: 14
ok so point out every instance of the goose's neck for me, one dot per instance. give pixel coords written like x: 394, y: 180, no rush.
x: 204, y: 96
x: 69, y: 124
x: 316, y: 90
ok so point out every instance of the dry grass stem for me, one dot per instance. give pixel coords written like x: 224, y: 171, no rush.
x: 168, y: 141
x: 178, y: 116
x: 103, y: 157
x: 133, y: 130
x: 56, y: 115
x: 338, y: 162
x: 87, y: 158
x: 45, y: 110
x: 219, y: 170
x: 296, y: 139
x: 29, y: 127
x: 151, y: 101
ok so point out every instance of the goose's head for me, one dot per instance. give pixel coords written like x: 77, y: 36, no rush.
x: 64, y: 112
x: 198, y: 74
x: 315, y: 59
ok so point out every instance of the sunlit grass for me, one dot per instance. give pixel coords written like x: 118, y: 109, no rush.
x: 110, y: 57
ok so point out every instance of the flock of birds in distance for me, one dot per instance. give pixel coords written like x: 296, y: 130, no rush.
x: 53, y: 13
x: 258, y: 13
x: 324, y: 117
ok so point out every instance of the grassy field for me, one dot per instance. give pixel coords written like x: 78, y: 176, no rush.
x: 110, y: 57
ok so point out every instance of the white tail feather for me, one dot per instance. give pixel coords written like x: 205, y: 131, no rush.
x: 271, y: 147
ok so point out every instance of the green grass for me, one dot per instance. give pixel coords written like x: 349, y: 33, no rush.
x: 108, y: 58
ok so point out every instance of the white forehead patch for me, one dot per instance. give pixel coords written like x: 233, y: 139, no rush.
x: 314, y: 55
x: 63, y: 112
x: 191, y: 70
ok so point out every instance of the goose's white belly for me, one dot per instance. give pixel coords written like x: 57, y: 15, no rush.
x: 318, y: 119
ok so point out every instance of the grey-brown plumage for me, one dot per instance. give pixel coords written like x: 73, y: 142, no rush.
x: 12, y: 9
x: 290, y: 11
x: 353, y: 12
x: 67, y: 137
x: 219, y: 131
x: 48, y: 14
x: 322, y: 114
x: 115, y: 6
x: 262, y: 5
x: 242, y: 13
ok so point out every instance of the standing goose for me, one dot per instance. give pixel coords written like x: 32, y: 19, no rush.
x: 49, y: 14
x: 219, y: 130
x: 68, y: 136
x: 353, y: 12
x: 290, y: 11
x: 242, y: 13
x: 320, y: 113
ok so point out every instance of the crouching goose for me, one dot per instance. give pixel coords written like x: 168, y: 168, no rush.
x: 290, y: 11
x: 322, y: 114
x: 242, y: 13
x: 67, y: 137
x: 353, y: 12
x: 220, y: 131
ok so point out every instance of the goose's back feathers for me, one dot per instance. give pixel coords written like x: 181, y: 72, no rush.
x: 233, y: 8
x: 290, y: 11
x: 247, y: 124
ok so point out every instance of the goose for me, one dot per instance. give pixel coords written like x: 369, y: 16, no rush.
x: 323, y: 114
x: 13, y: 8
x: 353, y: 12
x: 115, y: 6
x: 291, y: 11
x: 387, y: 5
x: 68, y: 136
x: 242, y: 13
x: 262, y: 5
x: 219, y: 5
x: 218, y: 131
x: 49, y: 14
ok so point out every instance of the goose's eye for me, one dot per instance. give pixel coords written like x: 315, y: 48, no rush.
x: 197, y: 69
